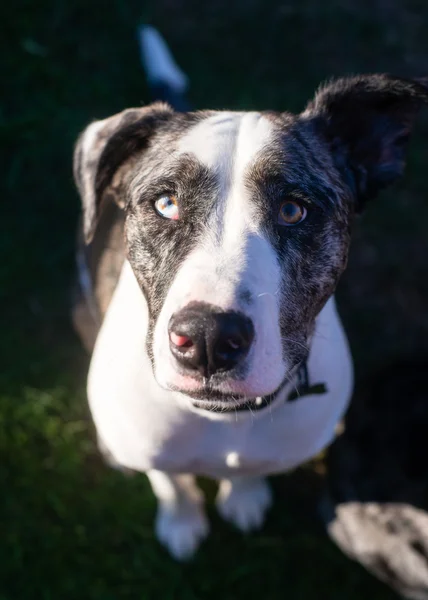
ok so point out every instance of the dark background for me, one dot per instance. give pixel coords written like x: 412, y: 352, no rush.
x: 70, y: 527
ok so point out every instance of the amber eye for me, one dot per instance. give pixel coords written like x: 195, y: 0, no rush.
x: 291, y: 213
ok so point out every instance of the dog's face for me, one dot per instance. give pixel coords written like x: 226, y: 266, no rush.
x: 237, y: 225
x: 237, y: 222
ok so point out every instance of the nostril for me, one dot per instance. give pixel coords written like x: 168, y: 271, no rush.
x: 235, y: 345
x: 228, y: 346
x: 230, y: 349
x: 232, y: 340
x: 181, y: 341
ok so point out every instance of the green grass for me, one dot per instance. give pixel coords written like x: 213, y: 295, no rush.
x: 70, y: 527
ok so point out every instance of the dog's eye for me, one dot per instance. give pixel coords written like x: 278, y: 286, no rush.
x: 167, y: 206
x: 291, y: 213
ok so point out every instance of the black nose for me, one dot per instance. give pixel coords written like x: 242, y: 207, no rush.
x: 207, y: 341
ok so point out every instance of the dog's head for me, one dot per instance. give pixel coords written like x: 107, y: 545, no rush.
x: 237, y: 224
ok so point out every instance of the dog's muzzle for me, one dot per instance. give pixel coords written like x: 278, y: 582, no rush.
x: 205, y: 341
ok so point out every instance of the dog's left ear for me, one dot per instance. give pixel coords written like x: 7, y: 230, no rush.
x: 101, y: 151
x: 367, y: 121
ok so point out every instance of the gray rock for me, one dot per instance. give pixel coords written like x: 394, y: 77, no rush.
x: 376, y: 505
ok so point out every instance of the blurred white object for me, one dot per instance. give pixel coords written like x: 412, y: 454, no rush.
x: 158, y: 61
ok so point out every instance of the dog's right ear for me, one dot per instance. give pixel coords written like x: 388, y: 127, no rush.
x: 366, y: 121
x: 103, y: 148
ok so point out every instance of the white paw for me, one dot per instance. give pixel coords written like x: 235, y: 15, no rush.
x: 181, y: 531
x: 244, y: 503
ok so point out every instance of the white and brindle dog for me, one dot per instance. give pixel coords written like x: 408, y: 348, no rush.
x: 212, y: 245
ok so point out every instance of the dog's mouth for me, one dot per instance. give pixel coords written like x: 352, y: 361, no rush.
x: 215, y: 401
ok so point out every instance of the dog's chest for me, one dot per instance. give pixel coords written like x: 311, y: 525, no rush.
x: 145, y: 427
x: 150, y: 432
x: 271, y: 443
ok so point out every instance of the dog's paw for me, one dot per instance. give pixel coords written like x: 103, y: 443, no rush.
x: 244, y: 502
x: 182, y: 531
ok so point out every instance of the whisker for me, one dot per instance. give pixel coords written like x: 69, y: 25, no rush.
x: 248, y: 406
x: 323, y: 337
x: 268, y: 294
x: 293, y: 382
x: 303, y: 345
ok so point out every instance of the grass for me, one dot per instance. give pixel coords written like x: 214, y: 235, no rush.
x: 70, y: 527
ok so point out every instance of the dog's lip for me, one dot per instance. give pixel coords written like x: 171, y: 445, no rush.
x: 211, y: 399
x: 214, y: 401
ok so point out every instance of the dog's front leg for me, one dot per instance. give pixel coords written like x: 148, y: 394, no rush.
x: 180, y: 522
x: 244, y: 501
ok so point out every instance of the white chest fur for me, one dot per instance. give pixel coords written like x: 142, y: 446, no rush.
x: 146, y: 427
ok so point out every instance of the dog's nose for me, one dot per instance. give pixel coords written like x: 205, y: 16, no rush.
x: 205, y: 340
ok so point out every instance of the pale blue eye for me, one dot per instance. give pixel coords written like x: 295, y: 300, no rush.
x: 167, y: 206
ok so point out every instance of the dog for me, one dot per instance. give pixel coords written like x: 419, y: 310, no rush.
x: 211, y: 246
